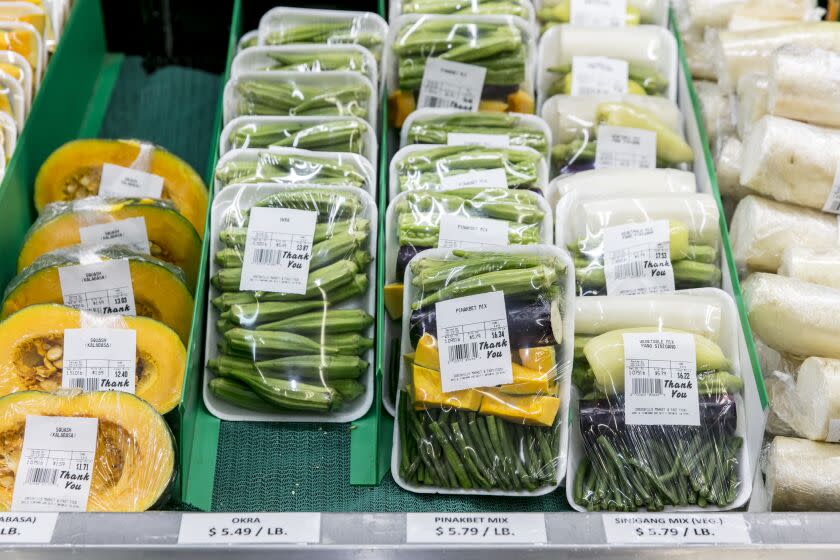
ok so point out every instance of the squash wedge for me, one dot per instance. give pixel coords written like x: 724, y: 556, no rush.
x: 393, y: 294
x: 134, y: 464
x: 428, y: 392
x: 160, y: 289
x: 537, y: 410
x: 172, y: 238
x: 30, y: 334
x: 73, y: 172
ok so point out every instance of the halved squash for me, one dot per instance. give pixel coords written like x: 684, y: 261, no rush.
x: 73, y: 171
x: 160, y: 289
x: 134, y: 464
x: 172, y: 237
x: 32, y: 349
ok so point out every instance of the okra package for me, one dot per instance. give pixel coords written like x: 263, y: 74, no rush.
x: 248, y: 40
x: 640, y: 60
x: 491, y: 129
x: 301, y: 94
x: 499, y: 50
x: 552, y: 13
x: 519, y: 8
x: 291, y: 165
x: 464, y: 218
x: 290, y: 321
x: 659, y: 421
x: 487, y: 345
x: 615, y: 182
x: 284, y: 26
x: 319, y: 134
x: 630, y: 244
x: 436, y: 167
x: 614, y: 131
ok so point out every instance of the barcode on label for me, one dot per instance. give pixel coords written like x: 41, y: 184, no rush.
x: 433, y: 102
x: 646, y: 386
x: 86, y: 384
x: 463, y: 352
x: 41, y: 476
x: 628, y: 270
x: 267, y: 256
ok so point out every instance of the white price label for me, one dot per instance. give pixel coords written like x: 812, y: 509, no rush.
x: 56, y: 464
x: 469, y: 139
x: 462, y: 232
x: 103, y: 287
x: 675, y: 528
x: 34, y: 528
x: 131, y: 231
x: 99, y: 359
x: 278, y: 248
x: 832, y: 202
x: 625, y: 147
x: 484, y: 178
x: 472, y: 333
x: 598, y: 13
x: 833, y: 431
x: 475, y: 528
x: 249, y: 528
x: 637, y: 259
x: 660, y: 379
x: 118, y: 181
x: 451, y: 85
x: 599, y: 75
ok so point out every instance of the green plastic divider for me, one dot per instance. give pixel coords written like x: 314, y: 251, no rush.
x: 724, y: 227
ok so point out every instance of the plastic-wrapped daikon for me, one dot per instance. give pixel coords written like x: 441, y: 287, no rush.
x: 762, y: 229
x: 803, y: 475
x: 728, y: 168
x: 759, y: 14
x: 804, y: 84
x: 752, y: 101
x: 791, y: 161
x: 818, y: 266
x: 716, y: 107
x: 699, y: 14
x: 699, y: 55
x: 809, y: 404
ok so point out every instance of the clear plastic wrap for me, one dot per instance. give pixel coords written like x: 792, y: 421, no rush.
x: 160, y: 290
x: 500, y: 435
x: 804, y: 85
x: 492, y: 129
x: 424, y: 167
x: 817, y: 266
x: 248, y: 40
x: 574, y: 123
x: 291, y: 165
x: 791, y: 161
x: 808, y: 405
x: 165, y: 233
x: 302, y: 350
x: 795, y: 318
x: 9, y: 129
x: 133, y: 466
x: 716, y: 108
x: 650, y: 51
x: 552, y: 13
x: 664, y: 461
x: 762, y: 229
x: 700, y: 14
x: 33, y: 356
x: 751, y: 104
x: 15, y: 65
x: 699, y: 56
x: 519, y: 8
x: 503, y: 45
x: 803, y: 475
x: 758, y: 14
x: 24, y: 39
x: 284, y: 26
x: 728, y: 168
x: 300, y: 94
x: 615, y: 182
x: 12, y: 99
x: 319, y: 134
x: 691, y: 237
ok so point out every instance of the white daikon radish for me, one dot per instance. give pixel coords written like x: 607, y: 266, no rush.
x: 818, y: 266
x: 700, y: 56
x: 804, y: 84
x: 752, y: 101
x: 790, y: 161
x: 762, y: 229
x: 793, y: 317
x: 810, y: 405
x: 716, y: 107
x: 728, y: 168
x: 803, y: 475
x: 608, y: 182
x: 710, y: 13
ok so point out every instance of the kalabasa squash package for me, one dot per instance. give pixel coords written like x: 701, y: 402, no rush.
x: 487, y: 347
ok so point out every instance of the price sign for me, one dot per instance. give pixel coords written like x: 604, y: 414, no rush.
x: 27, y: 527
x: 663, y: 528
x: 249, y: 528
x: 469, y: 528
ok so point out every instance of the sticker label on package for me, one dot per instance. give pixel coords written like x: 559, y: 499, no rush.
x: 102, y: 287
x: 599, y: 75
x: 118, y: 181
x: 249, y: 528
x: 451, y: 85
x: 489, y: 178
x: 462, y: 232
x: 131, y: 231
x: 637, y: 259
x: 56, y: 464
x: 832, y: 202
x: 278, y: 248
x: 467, y: 139
x: 598, y: 13
x: 27, y: 528
x: 475, y: 528
x: 675, y: 528
x: 472, y: 335
x: 660, y: 379
x: 99, y: 359
x: 625, y: 148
